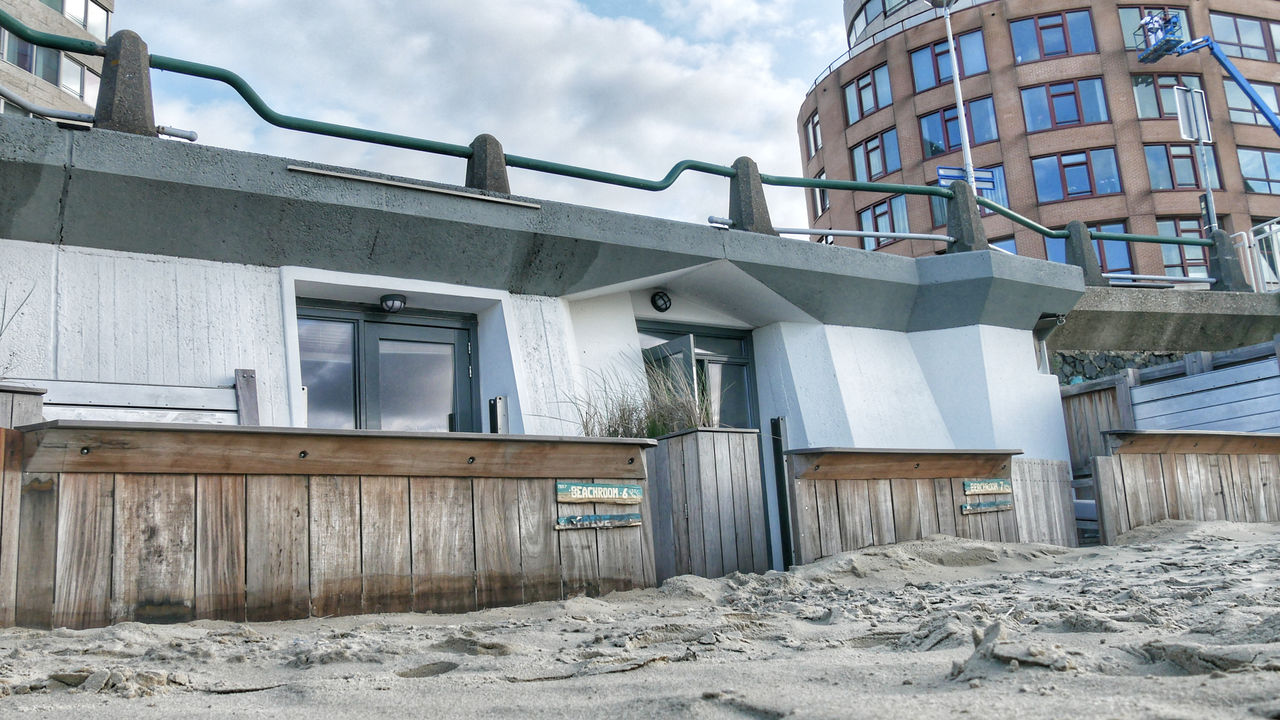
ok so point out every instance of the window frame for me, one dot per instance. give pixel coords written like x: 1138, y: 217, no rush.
x: 884, y: 208
x: 467, y: 408
x: 866, y: 153
x: 1131, y: 41
x: 872, y: 80
x: 1257, y: 117
x: 813, y: 135
x: 819, y: 197
x: 1089, y: 166
x: 940, y: 49
x: 1273, y: 182
x: 1039, y: 26
x: 947, y: 115
x: 1269, y: 31
x: 1184, y: 264
x: 1158, y: 85
x: 938, y: 206
x: 1169, y: 159
x: 1051, y: 106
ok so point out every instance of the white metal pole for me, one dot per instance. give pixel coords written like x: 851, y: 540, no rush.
x: 961, y: 116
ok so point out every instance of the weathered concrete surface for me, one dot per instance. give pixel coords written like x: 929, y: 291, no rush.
x: 1171, y: 320
x: 116, y: 191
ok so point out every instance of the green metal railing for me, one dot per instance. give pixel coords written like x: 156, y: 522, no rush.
x: 346, y: 132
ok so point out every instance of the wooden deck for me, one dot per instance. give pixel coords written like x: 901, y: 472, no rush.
x: 103, y: 522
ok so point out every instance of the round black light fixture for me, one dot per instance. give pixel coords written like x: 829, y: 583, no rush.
x: 660, y: 301
x: 392, y: 303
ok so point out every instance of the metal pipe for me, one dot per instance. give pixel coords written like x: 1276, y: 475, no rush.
x: 865, y: 234
x: 49, y: 40
x: 190, y: 135
x: 1160, y: 278
x: 52, y: 113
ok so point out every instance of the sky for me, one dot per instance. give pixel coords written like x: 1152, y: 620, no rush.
x: 624, y: 86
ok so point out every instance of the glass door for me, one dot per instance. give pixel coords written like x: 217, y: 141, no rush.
x: 367, y: 369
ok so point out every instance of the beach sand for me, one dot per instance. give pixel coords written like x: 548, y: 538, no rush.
x: 1180, y: 620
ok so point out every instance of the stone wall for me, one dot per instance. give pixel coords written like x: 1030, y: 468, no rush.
x: 1080, y: 365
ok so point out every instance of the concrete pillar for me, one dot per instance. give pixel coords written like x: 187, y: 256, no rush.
x: 1224, y: 264
x: 487, y: 166
x: 1080, y: 252
x: 747, y: 208
x: 124, y: 97
x: 963, y: 221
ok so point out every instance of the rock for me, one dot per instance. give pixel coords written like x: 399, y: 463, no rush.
x: 95, y: 682
x: 150, y: 678
x: 707, y: 639
x: 179, y: 678
x: 71, y: 679
x: 975, y: 683
x: 21, y: 689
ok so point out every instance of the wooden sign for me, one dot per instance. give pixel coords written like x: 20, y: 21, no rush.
x: 987, y: 487
x: 585, y: 522
x: 986, y: 506
x: 578, y: 492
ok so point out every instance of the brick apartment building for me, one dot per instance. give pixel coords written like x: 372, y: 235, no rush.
x: 1074, y: 126
x: 49, y: 78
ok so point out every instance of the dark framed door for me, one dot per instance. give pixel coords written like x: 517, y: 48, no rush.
x: 367, y: 369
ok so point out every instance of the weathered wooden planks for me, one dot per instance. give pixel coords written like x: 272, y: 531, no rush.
x: 153, y: 574
x: 65, y: 446
x: 335, y: 555
x: 443, y: 544
x: 220, y: 550
x: 82, y: 585
x: 276, y: 572
x: 854, y: 464
x: 37, y: 550
x: 384, y: 544
x: 10, y: 499
x: 539, y: 546
x: 498, y: 542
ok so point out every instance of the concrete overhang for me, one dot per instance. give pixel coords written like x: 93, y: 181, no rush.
x: 1168, y: 320
x: 108, y: 190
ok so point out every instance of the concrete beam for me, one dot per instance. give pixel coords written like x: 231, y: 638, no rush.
x: 487, y: 166
x: 747, y: 207
x: 1168, y: 320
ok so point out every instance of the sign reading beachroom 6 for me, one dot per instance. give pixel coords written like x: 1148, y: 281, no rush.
x: 576, y: 492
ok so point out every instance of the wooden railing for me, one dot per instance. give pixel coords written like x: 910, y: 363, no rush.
x: 101, y: 522
x: 1151, y: 476
x: 846, y: 499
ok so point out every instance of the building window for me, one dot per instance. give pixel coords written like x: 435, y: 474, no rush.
x: 1113, y: 255
x: 998, y: 195
x: 812, y: 135
x: 1244, y: 37
x: 1183, y: 260
x: 931, y: 65
x: 1007, y: 244
x: 1177, y: 167
x: 1076, y: 175
x: 366, y: 369
x: 1261, y: 170
x: 940, y: 131
x: 1154, y: 94
x: 1242, y: 109
x: 719, y: 362
x: 1131, y: 19
x: 1047, y: 36
x: 876, y: 157
x: 1076, y: 102
x: 818, y: 196
x: 41, y: 62
x: 885, y: 216
x: 867, y: 94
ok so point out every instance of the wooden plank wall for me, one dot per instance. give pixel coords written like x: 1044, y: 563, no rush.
x: 1244, y: 398
x: 1043, y: 502
x: 708, y: 504
x: 84, y: 550
x: 1089, y: 411
x: 20, y: 406
x: 1136, y: 489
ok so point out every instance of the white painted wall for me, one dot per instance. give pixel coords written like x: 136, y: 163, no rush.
x: 123, y: 317
x: 991, y: 392
x: 606, y: 346
x: 26, y: 273
x: 545, y: 350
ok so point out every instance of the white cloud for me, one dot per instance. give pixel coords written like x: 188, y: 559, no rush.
x: 549, y: 79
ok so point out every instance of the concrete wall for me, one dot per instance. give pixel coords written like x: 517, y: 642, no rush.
x: 121, y: 317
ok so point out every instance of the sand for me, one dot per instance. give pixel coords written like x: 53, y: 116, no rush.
x: 1180, y: 620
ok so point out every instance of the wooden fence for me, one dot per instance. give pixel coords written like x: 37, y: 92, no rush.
x: 20, y: 405
x: 1185, y: 475
x: 846, y: 499
x: 101, y: 523
x: 708, y: 503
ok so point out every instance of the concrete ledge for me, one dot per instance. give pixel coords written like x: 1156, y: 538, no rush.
x: 1174, y: 320
x: 116, y: 191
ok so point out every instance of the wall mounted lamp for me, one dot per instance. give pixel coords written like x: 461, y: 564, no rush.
x: 392, y: 303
